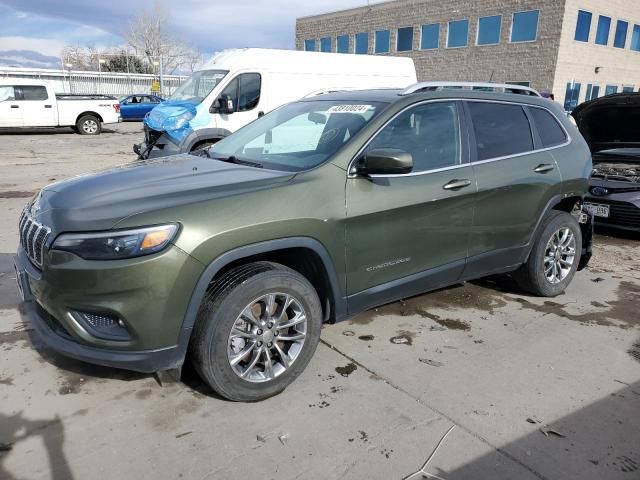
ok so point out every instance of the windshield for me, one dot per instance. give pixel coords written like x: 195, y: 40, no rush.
x: 198, y: 85
x: 298, y: 136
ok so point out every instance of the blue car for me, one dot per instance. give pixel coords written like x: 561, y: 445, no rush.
x: 135, y: 107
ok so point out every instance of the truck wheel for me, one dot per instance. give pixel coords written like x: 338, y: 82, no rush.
x: 201, y: 146
x: 554, y: 258
x: 89, y: 125
x: 256, y: 331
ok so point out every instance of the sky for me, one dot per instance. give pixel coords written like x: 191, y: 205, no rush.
x: 39, y: 29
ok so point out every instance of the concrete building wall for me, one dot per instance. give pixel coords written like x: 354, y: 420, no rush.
x: 532, y: 62
x: 577, y: 61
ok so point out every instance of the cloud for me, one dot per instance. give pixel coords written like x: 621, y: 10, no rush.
x: 46, y: 46
x: 211, y: 26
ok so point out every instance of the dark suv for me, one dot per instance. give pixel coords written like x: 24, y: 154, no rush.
x: 317, y: 211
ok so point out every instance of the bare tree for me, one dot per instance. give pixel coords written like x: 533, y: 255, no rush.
x: 150, y: 37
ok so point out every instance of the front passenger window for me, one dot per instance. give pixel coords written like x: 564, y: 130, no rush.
x: 244, y: 90
x: 429, y: 132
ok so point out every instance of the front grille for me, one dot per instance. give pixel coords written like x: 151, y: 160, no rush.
x: 620, y: 213
x: 100, y: 321
x: 33, y: 238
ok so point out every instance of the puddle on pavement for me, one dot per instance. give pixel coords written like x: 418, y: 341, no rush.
x: 404, y: 337
x: 468, y: 296
x: 622, y: 312
x: 347, y: 369
x: 16, y: 194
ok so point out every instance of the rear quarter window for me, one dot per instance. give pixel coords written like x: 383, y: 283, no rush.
x: 34, y: 92
x: 550, y: 131
x: 500, y: 129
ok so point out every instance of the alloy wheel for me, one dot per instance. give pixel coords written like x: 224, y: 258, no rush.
x: 559, y: 255
x: 267, y: 337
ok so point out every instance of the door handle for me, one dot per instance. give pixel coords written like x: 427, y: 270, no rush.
x: 456, y: 184
x: 260, y: 114
x: 543, y: 168
x: 15, y: 106
x: 47, y: 106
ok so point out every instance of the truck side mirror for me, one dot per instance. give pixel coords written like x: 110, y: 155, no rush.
x: 225, y: 105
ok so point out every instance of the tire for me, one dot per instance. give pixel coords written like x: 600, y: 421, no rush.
x: 539, y: 275
x: 213, y: 349
x: 89, y: 125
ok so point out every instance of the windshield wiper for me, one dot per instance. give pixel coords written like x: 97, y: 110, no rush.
x: 232, y: 159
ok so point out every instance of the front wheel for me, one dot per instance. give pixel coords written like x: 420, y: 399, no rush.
x: 256, y: 331
x: 554, y: 257
x: 89, y: 125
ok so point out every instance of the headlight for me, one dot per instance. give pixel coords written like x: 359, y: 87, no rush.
x: 117, y: 244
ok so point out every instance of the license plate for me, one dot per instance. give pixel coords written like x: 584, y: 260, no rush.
x: 597, y: 210
x: 22, y: 282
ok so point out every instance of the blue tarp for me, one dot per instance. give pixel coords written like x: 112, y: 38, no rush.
x: 177, y: 118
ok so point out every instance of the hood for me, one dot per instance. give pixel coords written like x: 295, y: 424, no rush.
x: 177, y: 118
x: 98, y: 201
x: 610, y: 122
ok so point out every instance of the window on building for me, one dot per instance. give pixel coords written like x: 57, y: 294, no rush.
x: 571, y: 96
x: 627, y: 89
x: 602, y: 33
x: 610, y: 89
x: 310, y: 45
x: 550, y: 131
x: 325, y: 44
x: 635, y: 38
x: 592, y: 92
x: 342, y: 44
x: 430, y: 36
x: 525, y: 26
x: 500, y: 129
x: 583, y: 27
x: 620, y: 38
x: 405, y: 39
x: 458, y: 33
x: 362, y: 43
x: 429, y: 132
x: 382, y: 41
x: 489, y: 29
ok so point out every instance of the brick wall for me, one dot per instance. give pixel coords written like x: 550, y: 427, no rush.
x: 533, y: 61
x: 577, y: 61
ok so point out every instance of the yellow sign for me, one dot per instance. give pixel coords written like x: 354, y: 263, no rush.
x: 155, y: 86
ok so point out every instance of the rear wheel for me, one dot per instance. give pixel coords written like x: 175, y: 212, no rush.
x: 89, y: 125
x: 554, y: 258
x: 256, y: 331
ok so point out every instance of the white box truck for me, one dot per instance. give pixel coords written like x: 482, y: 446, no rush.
x: 237, y: 86
x: 33, y: 103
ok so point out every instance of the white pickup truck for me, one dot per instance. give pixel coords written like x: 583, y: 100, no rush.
x: 32, y: 103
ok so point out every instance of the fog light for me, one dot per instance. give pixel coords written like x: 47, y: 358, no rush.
x: 103, y: 325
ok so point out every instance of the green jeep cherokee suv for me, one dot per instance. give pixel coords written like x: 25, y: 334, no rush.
x: 317, y: 211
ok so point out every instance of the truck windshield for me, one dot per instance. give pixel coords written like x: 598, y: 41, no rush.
x: 198, y: 85
x: 298, y: 136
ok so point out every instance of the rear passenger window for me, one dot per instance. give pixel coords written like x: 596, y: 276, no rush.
x: 429, y: 132
x: 500, y: 129
x: 34, y: 92
x: 550, y: 131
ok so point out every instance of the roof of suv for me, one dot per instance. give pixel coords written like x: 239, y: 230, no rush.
x: 395, y: 95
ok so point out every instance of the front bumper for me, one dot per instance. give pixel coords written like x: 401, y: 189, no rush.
x: 150, y: 294
x: 155, y: 144
x: 623, y: 215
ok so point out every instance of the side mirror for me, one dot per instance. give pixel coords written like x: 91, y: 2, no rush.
x: 225, y: 105
x: 384, y: 161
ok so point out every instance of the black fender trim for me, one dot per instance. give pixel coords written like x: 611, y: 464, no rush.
x: 202, y: 134
x: 553, y: 201
x: 340, y: 302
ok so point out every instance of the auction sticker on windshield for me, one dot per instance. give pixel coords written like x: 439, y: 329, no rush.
x: 350, y: 108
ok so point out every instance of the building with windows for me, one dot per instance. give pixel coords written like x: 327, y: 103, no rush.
x: 576, y: 49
